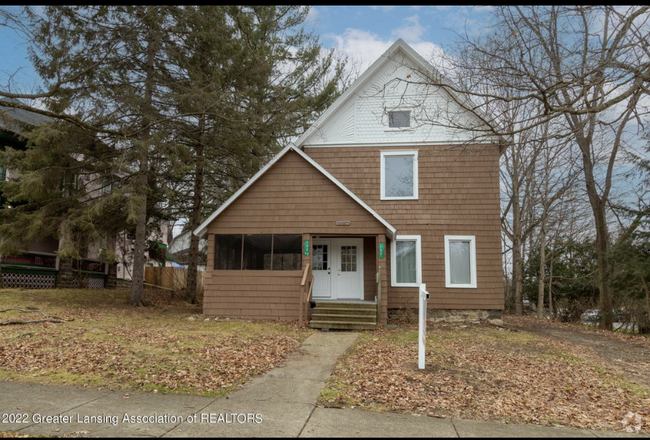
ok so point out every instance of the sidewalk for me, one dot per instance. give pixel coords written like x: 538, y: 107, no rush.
x: 279, y: 404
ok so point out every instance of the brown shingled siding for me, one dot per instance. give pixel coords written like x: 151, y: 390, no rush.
x: 369, y: 269
x: 252, y: 294
x: 458, y: 195
x: 290, y: 198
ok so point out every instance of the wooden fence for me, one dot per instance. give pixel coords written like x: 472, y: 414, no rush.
x: 174, y: 278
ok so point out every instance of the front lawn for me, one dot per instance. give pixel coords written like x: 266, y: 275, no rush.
x: 484, y: 372
x: 110, y: 344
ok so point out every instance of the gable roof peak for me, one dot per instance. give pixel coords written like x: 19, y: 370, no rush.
x: 203, y: 228
x: 421, y: 63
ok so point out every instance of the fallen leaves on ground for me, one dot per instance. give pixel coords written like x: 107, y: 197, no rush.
x: 486, y: 373
x: 122, y: 347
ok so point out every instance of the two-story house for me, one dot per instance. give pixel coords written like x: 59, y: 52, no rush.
x: 376, y: 198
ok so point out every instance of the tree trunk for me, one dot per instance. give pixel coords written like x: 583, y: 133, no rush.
x: 550, y: 285
x: 647, y: 295
x: 517, y: 274
x: 542, y: 271
x: 139, y: 246
x: 602, y: 248
x: 195, y: 221
x: 598, y: 207
x: 517, y: 269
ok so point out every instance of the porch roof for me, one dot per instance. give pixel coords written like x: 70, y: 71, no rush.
x: 201, y: 230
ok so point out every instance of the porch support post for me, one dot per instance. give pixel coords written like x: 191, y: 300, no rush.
x: 306, y: 262
x: 381, y: 263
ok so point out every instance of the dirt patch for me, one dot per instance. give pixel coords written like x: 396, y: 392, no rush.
x: 628, y: 354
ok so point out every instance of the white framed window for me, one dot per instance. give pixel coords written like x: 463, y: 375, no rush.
x: 406, y: 261
x: 460, y: 261
x: 399, y: 175
x: 399, y: 119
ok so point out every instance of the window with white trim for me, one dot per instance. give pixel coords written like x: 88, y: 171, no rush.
x: 406, y: 261
x: 399, y: 119
x: 399, y: 175
x: 460, y: 261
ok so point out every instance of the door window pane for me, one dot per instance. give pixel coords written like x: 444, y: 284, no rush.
x: 227, y: 252
x: 257, y: 252
x: 319, y: 257
x: 287, y: 252
x: 348, y: 258
x: 398, y: 179
x: 406, y: 260
x: 459, y: 262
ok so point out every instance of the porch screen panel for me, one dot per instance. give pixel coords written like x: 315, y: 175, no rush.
x: 227, y: 252
x: 406, y: 259
x: 287, y: 252
x: 257, y: 252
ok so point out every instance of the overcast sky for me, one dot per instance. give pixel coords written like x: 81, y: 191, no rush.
x: 362, y: 33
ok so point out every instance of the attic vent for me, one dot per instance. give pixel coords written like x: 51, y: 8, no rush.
x: 399, y: 119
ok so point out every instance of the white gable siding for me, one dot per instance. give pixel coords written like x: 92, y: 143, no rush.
x: 363, y: 118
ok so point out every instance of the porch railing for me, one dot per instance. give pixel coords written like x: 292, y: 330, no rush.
x: 306, y: 288
x: 379, y: 296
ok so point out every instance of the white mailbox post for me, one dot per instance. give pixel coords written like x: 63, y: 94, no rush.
x: 422, y: 339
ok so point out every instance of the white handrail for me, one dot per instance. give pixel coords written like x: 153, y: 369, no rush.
x: 422, y: 325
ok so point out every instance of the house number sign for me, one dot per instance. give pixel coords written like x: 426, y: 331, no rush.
x: 306, y: 248
x: 382, y: 250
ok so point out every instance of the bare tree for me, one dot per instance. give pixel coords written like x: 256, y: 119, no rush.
x: 583, y: 69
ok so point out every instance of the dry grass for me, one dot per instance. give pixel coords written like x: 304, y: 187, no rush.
x: 486, y: 373
x: 110, y: 344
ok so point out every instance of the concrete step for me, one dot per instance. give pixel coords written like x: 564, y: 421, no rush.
x: 345, y: 311
x: 341, y: 325
x: 345, y: 305
x: 323, y: 316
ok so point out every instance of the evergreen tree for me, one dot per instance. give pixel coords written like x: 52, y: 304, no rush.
x: 249, y: 78
x: 179, y: 104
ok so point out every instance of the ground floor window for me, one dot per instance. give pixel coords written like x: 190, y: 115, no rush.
x: 406, y: 261
x: 228, y: 252
x: 460, y: 261
x: 258, y: 252
x: 287, y: 253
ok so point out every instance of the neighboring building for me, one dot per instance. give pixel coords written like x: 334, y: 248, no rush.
x: 179, y: 249
x: 372, y: 188
x: 39, y: 266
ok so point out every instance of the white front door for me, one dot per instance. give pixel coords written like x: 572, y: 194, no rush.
x: 337, y: 264
x: 348, y: 262
x: 321, y: 268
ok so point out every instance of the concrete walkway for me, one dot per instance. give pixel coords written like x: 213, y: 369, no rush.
x: 280, y: 403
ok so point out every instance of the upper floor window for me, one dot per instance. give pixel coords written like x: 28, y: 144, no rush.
x: 399, y: 175
x: 460, y: 261
x: 399, y: 119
